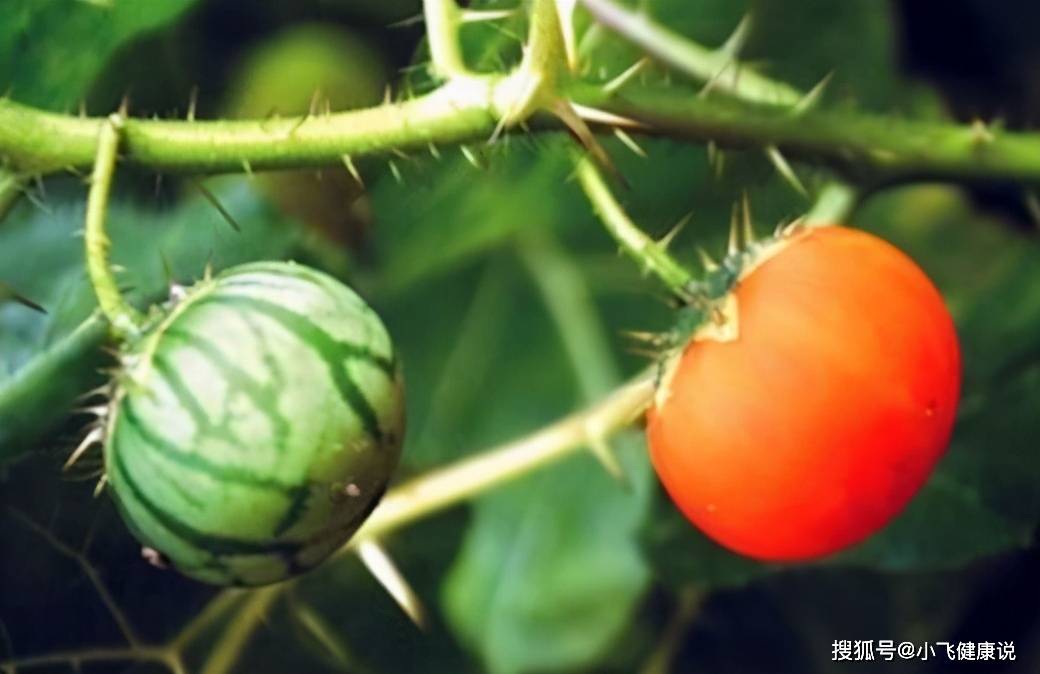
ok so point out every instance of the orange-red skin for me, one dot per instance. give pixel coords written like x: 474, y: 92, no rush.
x: 819, y: 423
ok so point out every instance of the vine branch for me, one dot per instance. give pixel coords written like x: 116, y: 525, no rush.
x: 468, y: 477
x: 867, y: 147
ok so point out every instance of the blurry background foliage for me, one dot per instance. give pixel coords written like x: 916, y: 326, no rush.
x: 471, y: 268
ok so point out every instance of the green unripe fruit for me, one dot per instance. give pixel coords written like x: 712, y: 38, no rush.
x: 256, y: 425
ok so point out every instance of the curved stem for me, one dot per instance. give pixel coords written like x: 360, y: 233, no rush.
x: 443, y: 18
x: 865, y: 148
x: 649, y: 254
x: 123, y: 318
x: 464, y: 479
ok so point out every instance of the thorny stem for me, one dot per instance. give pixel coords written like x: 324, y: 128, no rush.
x: 443, y: 18
x: 864, y: 147
x: 718, y: 67
x: 650, y: 255
x: 122, y: 318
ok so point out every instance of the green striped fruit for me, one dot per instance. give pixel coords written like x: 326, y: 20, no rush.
x: 256, y: 425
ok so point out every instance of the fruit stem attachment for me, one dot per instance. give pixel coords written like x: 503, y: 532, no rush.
x: 123, y: 318
x: 649, y: 254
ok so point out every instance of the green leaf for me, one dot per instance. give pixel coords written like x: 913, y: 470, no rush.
x: 550, y: 571
x: 548, y: 575
x: 51, y: 50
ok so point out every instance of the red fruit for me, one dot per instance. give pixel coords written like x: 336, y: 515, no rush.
x: 816, y: 425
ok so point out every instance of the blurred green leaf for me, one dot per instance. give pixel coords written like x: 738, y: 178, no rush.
x: 51, y: 50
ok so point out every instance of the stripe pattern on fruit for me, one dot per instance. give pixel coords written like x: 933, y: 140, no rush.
x: 257, y: 425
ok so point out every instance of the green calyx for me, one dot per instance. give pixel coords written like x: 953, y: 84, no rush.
x: 709, y: 309
x: 256, y: 424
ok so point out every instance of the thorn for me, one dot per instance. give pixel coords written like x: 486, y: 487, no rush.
x: 413, y: 20
x: 735, y: 43
x: 793, y: 227
x: 707, y: 261
x: 470, y: 156
x: 629, y: 143
x: 349, y: 163
x: 103, y: 390
x: 395, y: 171
x: 193, y: 100
x: 8, y: 293
x: 748, y: 229
x: 382, y: 567
x: 980, y: 133
x: 388, y: 94
x: 580, y: 130
x: 667, y: 239
x: 601, y: 449
x: 565, y: 12
x: 212, y: 199
x: 810, y: 100
x: 785, y: 170
x: 480, y: 15
x: 248, y: 168
x: 92, y: 438
x: 100, y: 487
x: 312, y: 107
x: 621, y: 80
x: 434, y: 152
x: 98, y: 411
x: 597, y: 116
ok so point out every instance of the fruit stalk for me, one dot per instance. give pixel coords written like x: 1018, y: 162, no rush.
x: 122, y: 317
x: 649, y: 254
